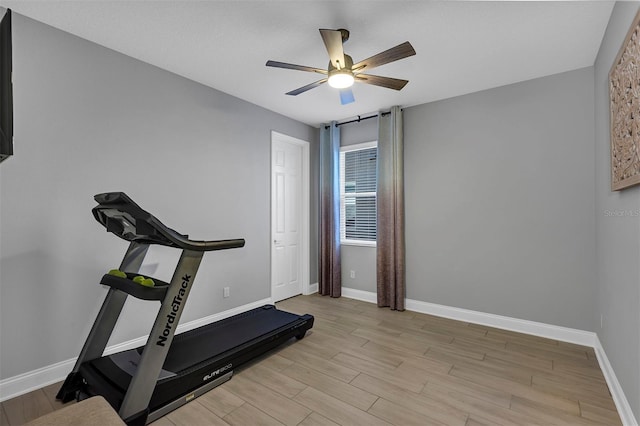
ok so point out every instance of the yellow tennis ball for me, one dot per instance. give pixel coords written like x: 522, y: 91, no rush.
x: 117, y: 273
x: 148, y: 282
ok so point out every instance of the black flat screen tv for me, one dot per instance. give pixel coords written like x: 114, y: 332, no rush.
x: 6, y: 88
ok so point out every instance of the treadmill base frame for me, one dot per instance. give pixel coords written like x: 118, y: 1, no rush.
x: 155, y: 415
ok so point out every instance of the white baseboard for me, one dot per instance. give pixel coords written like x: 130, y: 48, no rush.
x: 555, y: 332
x: 365, y: 296
x: 36, y: 379
x: 570, y: 335
x: 624, y: 409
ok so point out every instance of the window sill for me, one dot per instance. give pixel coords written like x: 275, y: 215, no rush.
x: 371, y: 244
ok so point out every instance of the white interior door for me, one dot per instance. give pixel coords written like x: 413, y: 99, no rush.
x: 286, y: 212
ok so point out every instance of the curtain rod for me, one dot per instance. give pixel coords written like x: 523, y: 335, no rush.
x: 359, y: 119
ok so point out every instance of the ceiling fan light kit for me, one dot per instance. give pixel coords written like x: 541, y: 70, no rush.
x: 342, y: 72
x: 341, y: 79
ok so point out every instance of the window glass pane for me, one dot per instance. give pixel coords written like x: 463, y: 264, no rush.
x: 360, y: 218
x: 360, y: 171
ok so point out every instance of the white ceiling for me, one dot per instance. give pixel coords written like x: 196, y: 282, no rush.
x: 462, y: 47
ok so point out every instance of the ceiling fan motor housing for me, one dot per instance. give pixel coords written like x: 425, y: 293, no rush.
x: 348, y: 64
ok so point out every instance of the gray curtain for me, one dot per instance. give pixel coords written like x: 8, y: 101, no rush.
x: 390, y: 211
x: 329, y: 276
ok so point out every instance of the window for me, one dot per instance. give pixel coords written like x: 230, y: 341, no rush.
x: 358, y: 194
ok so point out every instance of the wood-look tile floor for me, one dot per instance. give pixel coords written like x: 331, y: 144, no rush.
x: 362, y: 365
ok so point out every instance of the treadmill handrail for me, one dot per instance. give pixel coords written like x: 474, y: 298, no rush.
x: 121, y: 216
x: 185, y: 243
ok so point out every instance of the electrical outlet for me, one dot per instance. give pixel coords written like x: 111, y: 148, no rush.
x: 225, y: 292
x: 353, y: 274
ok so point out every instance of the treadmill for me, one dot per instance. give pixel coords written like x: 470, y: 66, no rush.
x: 148, y: 382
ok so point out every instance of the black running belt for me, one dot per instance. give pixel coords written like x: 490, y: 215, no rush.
x: 189, y: 349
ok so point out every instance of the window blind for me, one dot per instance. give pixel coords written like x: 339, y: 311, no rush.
x: 358, y: 194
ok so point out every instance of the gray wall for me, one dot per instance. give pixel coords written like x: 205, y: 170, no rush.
x: 617, y: 231
x: 90, y: 120
x: 359, y: 259
x: 500, y: 202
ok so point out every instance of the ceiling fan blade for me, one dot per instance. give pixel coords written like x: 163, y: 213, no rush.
x: 277, y: 64
x: 333, y: 42
x: 307, y: 87
x: 346, y: 96
x: 388, y: 82
x: 401, y: 51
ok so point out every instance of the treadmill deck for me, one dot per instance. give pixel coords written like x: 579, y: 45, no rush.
x: 199, y: 356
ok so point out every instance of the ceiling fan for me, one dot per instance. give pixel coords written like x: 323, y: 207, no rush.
x: 342, y: 72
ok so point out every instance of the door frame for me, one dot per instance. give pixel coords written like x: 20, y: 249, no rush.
x: 304, y: 210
